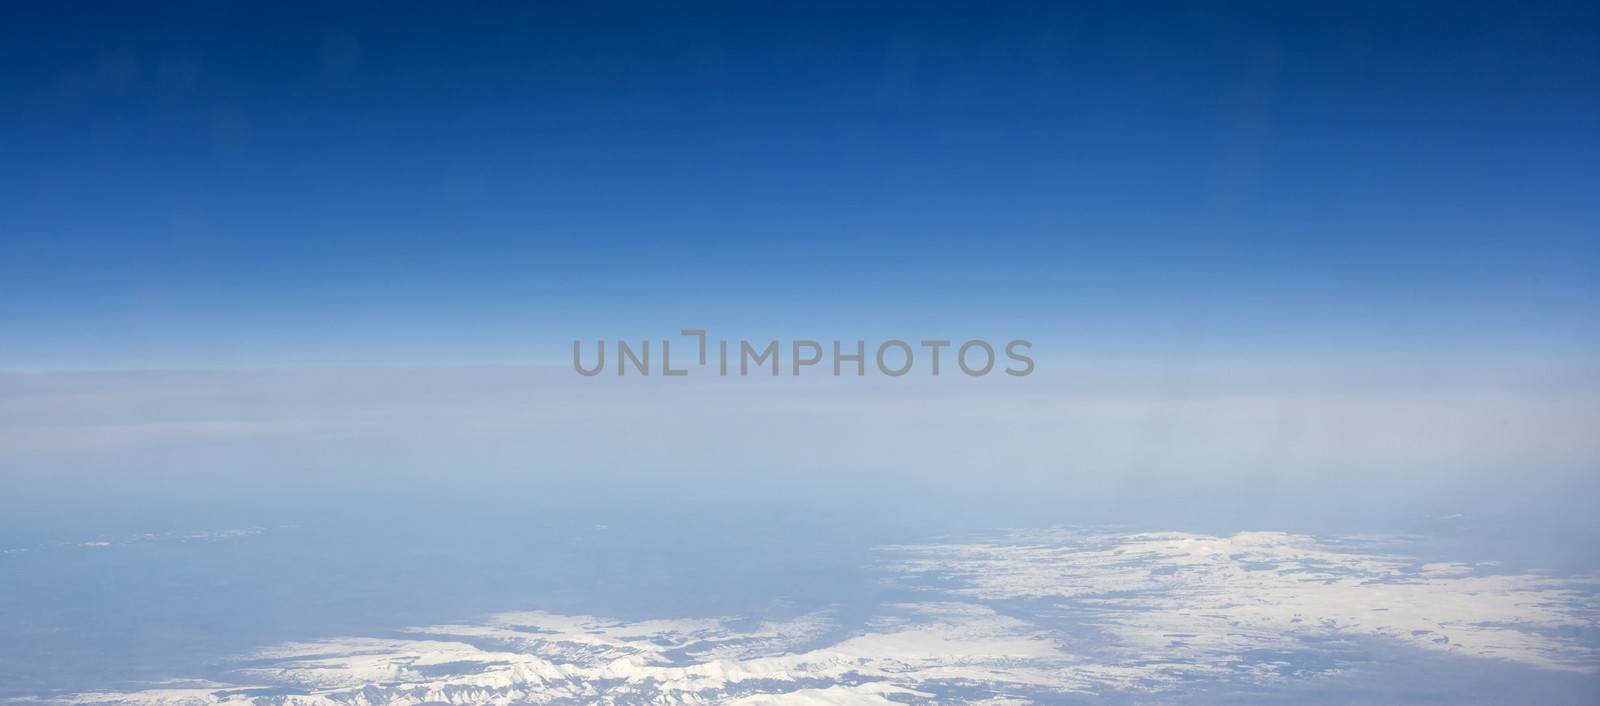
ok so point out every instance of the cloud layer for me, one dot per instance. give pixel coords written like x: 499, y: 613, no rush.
x: 1034, y: 616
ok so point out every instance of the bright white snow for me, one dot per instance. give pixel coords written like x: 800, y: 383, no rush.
x: 1011, y: 620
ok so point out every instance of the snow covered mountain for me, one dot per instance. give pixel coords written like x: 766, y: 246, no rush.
x: 1029, y: 616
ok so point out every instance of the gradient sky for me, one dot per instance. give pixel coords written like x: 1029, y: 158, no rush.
x: 1291, y: 266
x: 282, y: 184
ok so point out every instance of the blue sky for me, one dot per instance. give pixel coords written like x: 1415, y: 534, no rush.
x: 1324, y: 268
x: 298, y: 185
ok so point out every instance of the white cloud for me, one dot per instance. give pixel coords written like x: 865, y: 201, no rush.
x: 1202, y: 597
x: 1021, y: 618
